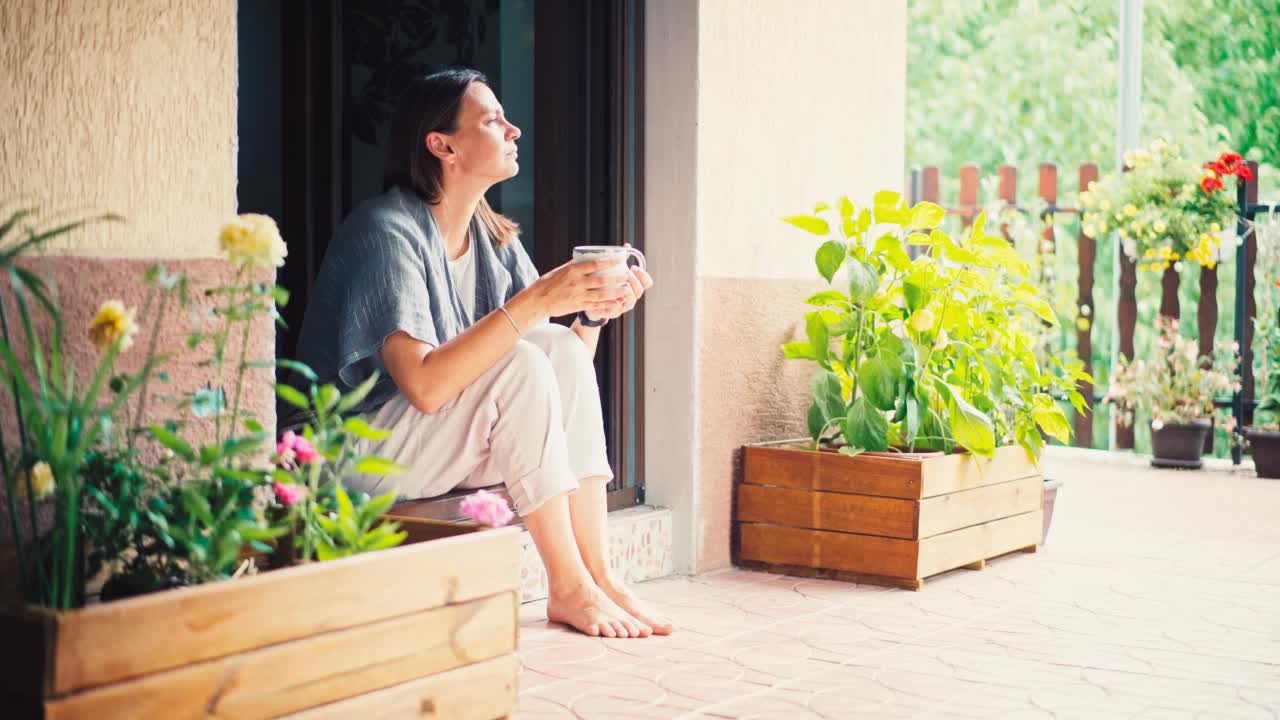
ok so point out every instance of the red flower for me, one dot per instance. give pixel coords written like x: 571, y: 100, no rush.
x: 1210, y: 183
x: 1244, y: 173
x: 1230, y: 162
x: 1217, y: 167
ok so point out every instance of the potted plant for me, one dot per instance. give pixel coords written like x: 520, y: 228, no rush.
x: 192, y: 613
x: 1177, y: 388
x: 1264, y: 434
x: 929, y: 404
x: 1164, y: 209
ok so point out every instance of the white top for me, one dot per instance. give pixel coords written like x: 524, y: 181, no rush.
x: 463, y: 272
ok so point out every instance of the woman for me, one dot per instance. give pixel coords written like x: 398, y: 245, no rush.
x: 427, y: 285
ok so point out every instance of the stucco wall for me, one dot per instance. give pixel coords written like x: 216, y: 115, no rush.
x: 126, y: 106
x: 755, y: 109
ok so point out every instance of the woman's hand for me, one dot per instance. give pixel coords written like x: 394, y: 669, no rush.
x: 637, y: 282
x: 572, y: 287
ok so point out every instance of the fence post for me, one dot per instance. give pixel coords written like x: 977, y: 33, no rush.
x: 1087, y: 248
x: 1126, y: 322
x: 1246, y: 305
x: 968, y: 193
x: 1008, y: 193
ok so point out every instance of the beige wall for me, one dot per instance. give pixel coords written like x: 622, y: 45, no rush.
x: 126, y: 106
x: 797, y: 102
x: 755, y: 109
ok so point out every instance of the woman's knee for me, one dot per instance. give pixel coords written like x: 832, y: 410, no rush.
x: 565, y: 349
x: 527, y: 359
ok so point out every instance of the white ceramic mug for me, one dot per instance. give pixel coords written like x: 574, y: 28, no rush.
x: 623, y: 255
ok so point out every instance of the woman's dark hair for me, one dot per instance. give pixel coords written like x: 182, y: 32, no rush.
x: 431, y: 104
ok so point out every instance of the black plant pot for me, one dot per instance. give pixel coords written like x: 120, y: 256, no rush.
x: 1264, y: 446
x: 1179, y: 445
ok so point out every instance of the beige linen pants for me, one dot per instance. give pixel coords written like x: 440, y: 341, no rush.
x: 532, y: 421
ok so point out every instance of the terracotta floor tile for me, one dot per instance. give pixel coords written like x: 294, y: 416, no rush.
x: 1156, y: 598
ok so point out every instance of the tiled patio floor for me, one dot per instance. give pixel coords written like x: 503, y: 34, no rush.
x: 1157, y: 596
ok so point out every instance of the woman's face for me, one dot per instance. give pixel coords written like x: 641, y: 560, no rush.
x: 484, y: 145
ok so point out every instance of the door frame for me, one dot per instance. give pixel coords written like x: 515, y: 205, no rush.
x: 588, y: 139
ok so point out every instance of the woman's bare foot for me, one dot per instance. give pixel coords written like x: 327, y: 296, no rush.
x: 625, y: 599
x: 590, y: 611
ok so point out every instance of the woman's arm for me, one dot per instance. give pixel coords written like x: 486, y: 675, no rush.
x: 429, y: 376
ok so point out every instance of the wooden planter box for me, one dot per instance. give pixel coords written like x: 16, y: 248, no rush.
x: 427, y: 629
x: 883, y: 520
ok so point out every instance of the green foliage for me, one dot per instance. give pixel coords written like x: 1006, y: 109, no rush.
x: 354, y: 525
x: 927, y: 353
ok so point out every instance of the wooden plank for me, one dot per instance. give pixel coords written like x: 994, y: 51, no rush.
x: 179, y: 627
x: 1049, y: 194
x: 312, y: 671
x: 929, y: 185
x: 1250, y: 297
x: 1169, y: 293
x: 1127, y: 320
x: 1207, y: 312
x: 865, y: 554
x: 980, y: 542
x: 1087, y: 255
x: 945, y: 474
x: 828, y: 574
x: 482, y: 691
x: 865, y: 514
x: 831, y: 472
x: 26, y: 662
x: 947, y: 513
x: 968, y: 199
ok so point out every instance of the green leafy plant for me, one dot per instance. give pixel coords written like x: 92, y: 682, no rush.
x: 1267, y: 416
x: 352, y: 525
x: 933, y: 352
x: 1178, y: 385
x: 318, y: 458
x: 204, y: 509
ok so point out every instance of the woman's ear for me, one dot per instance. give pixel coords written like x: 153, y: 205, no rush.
x: 438, y: 145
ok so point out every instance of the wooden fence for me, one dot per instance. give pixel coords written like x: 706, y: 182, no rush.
x: 923, y: 185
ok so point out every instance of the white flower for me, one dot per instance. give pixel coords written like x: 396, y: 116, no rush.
x: 1157, y: 424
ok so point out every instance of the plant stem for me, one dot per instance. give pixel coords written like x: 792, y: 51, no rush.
x: 219, y: 350
x: 244, y: 353
x: 146, y: 368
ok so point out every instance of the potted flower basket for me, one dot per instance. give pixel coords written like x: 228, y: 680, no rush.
x: 1177, y: 388
x: 363, y: 614
x: 928, y: 407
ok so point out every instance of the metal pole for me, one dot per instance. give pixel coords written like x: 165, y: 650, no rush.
x: 1128, y: 122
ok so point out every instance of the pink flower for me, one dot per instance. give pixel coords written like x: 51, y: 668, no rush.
x: 289, y: 494
x: 487, y: 508
x: 295, y: 447
x: 305, y: 451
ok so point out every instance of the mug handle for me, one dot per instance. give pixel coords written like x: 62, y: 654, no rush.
x: 639, y: 256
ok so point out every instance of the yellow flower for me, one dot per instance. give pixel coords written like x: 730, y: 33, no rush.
x: 1124, y: 233
x: 1149, y: 253
x: 1215, y: 227
x: 113, y: 324
x: 1130, y: 210
x: 41, y: 478
x: 253, y: 239
x: 1159, y: 226
x: 921, y: 320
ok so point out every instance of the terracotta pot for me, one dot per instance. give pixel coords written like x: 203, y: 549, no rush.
x: 1264, y: 446
x: 1050, y: 494
x: 1178, y: 445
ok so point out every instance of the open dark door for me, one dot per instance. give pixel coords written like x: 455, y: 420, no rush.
x: 566, y: 71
